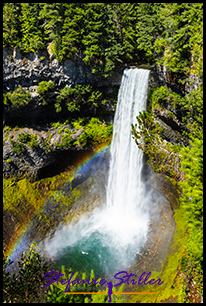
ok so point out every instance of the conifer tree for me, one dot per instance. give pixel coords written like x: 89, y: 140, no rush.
x: 10, y: 24
x: 52, y: 15
x: 192, y: 193
x: 102, y: 46
x: 148, y: 26
x: 125, y: 20
x: 32, y: 39
x: 181, y: 22
x: 113, y: 47
x: 73, y: 29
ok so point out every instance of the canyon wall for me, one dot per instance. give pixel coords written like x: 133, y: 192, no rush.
x: 29, y: 69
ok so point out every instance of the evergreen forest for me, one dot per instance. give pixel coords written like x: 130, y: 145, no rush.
x: 106, y: 36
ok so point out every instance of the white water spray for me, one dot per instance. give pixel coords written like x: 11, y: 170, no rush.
x: 125, y: 190
x: 111, y: 237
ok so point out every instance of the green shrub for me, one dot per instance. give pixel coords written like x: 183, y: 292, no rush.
x: 17, y: 98
x: 75, y: 97
x: 66, y: 94
x: 33, y: 142
x: 25, y: 286
x: 66, y: 140
x: 160, y: 94
x: 23, y: 137
x: 17, y: 147
x: 44, y: 88
x: 57, y: 125
x: 7, y: 129
x: 95, y: 132
x: 77, y: 123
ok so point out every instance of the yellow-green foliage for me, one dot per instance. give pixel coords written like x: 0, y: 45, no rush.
x: 51, y: 184
x: 27, y: 199
x: 44, y: 88
x: 64, y: 198
x: 17, y: 98
x: 33, y: 143
x: 21, y: 197
x: 77, y: 123
x: 173, y: 285
x: 95, y: 132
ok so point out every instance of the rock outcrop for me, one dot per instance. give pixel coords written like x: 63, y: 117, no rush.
x: 169, y: 117
x: 35, y: 160
x: 28, y: 69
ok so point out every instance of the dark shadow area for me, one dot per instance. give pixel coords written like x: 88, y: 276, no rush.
x: 99, y: 161
x: 68, y: 160
x: 64, y: 160
x: 146, y: 171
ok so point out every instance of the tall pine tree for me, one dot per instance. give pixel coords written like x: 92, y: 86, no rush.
x: 125, y: 20
x: 32, y: 39
x: 102, y: 48
x: 73, y: 29
x: 148, y: 27
x: 11, y: 24
x: 52, y: 15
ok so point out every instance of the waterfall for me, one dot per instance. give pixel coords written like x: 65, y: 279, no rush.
x: 111, y: 237
x: 124, y: 183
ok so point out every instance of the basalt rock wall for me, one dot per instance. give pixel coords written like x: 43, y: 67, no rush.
x: 169, y: 117
x: 29, y: 69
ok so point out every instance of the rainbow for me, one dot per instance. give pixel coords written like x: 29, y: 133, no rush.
x: 21, y: 242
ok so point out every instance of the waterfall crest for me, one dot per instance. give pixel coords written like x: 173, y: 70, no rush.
x: 111, y: 237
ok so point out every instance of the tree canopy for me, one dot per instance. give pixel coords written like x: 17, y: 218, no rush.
x: 105, y: 36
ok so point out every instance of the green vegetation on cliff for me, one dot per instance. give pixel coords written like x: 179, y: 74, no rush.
x: 80, y: 99
x: 24, y: 286
x: 43, y: 88
x: 105, y: 36
x: 27, y: 285
x: 180, y: 49
x: 17, y: 98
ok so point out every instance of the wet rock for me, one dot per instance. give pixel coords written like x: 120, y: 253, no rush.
x: 170, y: 191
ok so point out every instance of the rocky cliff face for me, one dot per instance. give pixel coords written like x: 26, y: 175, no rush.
x: 169, y: 117
x: 28, y: 70
x: 160, y: 76
x: 35, y: 160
